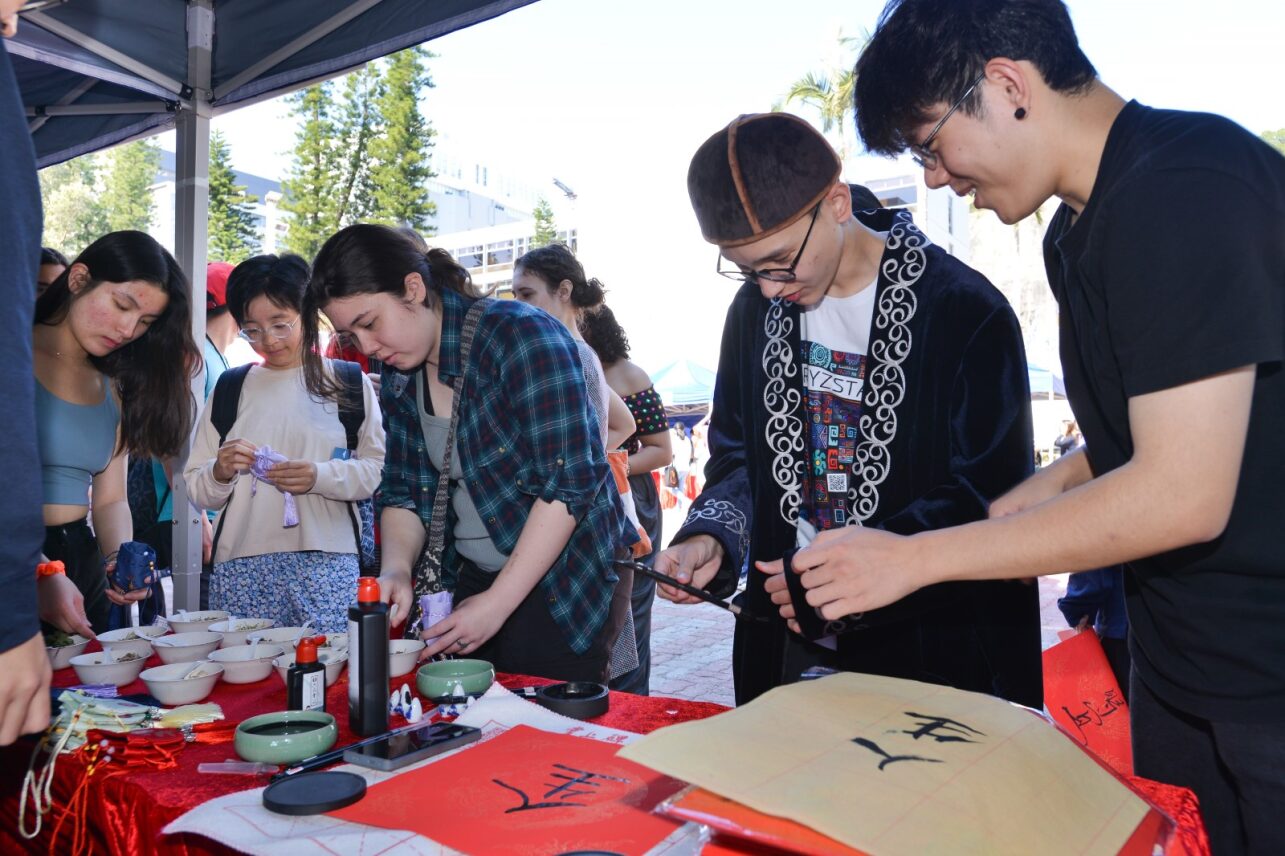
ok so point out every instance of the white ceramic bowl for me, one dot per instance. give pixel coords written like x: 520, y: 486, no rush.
x: 168, y: 686
x: 237, y: 631
x: 403, y: 656
x: 186, y: 647
x: 334, y: 663
x: 60, y: 658
x: 135, y: 639
x: 98, y: 668
x: 337, y: 642
x: 245, y: 664
x: 189, y: 622
x: 286, y: 637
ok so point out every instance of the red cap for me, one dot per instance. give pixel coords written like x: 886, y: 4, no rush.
x: 306, y: 652
x: 216, y: 284
x: 368, y: 590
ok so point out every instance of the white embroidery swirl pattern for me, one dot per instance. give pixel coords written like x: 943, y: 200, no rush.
x: 725, y: 514
x: 782, y: 399
x: 886, y: 382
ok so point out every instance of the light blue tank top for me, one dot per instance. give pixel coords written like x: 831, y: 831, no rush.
x: 76, y: 442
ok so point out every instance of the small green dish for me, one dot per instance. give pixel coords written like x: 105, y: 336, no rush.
x: 286, y: 736
x: 436, y: 681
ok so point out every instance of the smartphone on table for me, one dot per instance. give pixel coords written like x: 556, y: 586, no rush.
x: 398, y: 750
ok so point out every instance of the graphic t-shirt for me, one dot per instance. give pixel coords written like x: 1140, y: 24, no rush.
x: 835, y: 338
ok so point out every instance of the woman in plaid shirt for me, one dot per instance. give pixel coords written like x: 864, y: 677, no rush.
x: 532, y: 526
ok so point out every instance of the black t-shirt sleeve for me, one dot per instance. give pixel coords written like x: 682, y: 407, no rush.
x: 1192, y: 267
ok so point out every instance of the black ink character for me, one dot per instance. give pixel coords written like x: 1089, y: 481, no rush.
x: 889, y: 759
x: 570, y: 788
x: 955, y: 731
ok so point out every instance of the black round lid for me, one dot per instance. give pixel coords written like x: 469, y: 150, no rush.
x: 576, y: 699
x: 313, y: 793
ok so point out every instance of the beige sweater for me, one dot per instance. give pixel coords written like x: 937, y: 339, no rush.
x: 275, y: 410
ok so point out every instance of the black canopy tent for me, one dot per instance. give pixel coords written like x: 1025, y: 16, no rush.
x: 95, y: 73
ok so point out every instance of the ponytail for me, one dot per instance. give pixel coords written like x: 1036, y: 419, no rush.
x: 555, y: 263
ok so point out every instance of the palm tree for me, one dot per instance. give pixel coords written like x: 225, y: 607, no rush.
x: 830, y: 92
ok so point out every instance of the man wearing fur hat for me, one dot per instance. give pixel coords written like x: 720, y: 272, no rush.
x: 867, y: 378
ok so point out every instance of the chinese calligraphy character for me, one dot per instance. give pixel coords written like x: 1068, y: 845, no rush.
x: 1094, y: 716
x: 890, y: 759
x: 956, y: 731
x: 570, y: 788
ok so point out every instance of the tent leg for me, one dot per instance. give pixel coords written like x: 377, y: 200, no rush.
x: 191, y: 220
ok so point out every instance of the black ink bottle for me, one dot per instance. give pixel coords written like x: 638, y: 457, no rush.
x: 368, y: 660
x: 306, y: 679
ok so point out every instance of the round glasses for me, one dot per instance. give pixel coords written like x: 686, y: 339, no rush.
x: 254, y: 335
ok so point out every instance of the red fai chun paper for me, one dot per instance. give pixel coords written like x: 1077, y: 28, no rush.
x: 525, y: 792
x: 1082, y: 695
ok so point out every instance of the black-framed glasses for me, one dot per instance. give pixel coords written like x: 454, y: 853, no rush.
x: 281, y: 330
x: 785, y: 274
x: 921, y: 153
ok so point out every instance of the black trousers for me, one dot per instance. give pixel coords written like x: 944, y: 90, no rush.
x: 74, y: 545
x: 1237, y: 770
x: 530, y: 641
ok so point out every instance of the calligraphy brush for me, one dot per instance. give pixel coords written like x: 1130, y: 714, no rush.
x: 741, y: 614
x: 325, y: 759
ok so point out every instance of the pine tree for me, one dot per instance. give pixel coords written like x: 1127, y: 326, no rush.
x: 359, y: 123
x: 74, y: 212
x: 546, y: 231
x: 127, y: 192
x: 309, y: 188
x: 233, y: 236
x: 399, y: 155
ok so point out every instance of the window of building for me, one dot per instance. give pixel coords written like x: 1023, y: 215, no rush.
x: 469, y: 257
x: 499, y: 253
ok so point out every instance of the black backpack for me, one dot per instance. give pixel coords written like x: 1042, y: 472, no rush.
x: 352, y: 413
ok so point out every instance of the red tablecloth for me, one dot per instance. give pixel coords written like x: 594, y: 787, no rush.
x: 127, y: 808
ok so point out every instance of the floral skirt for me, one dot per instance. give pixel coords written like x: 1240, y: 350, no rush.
x: 289, y: 588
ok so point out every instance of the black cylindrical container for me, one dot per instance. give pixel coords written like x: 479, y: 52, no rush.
x: 306, y: 679
x: 368, y: 661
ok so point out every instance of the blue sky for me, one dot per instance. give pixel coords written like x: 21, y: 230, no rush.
x: 613, y: 97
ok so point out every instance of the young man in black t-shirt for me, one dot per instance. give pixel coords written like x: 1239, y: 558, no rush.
x: 1167, y: 258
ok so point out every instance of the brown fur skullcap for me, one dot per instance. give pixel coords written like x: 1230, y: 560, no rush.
x: 759, y: 175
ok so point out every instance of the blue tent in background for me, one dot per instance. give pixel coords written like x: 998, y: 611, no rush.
x: 94, y: 73
x: 1044, y: 383
x: 686, y: 388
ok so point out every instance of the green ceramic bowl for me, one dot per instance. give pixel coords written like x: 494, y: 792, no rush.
x: 437, y: 681
x: 285, y: 737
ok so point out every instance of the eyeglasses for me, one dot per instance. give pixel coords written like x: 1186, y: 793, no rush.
x: 920, y: 154
x: 772, y: 274
x: 254, y: 335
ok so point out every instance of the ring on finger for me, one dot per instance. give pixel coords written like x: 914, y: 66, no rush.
x: 460, y: 643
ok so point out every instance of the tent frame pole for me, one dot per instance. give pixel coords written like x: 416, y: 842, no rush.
x: 272, y: 60
x: 94, y: 46
x: 191, y: 222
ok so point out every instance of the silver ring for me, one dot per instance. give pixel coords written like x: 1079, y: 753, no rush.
x: 460, y: 643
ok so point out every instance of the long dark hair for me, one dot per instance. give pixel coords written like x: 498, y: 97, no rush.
x: 152, y: 374
x: 556, y: 262
x: 604, y: 334
x: 368, y: 259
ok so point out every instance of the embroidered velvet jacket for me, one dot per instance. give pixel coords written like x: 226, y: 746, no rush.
x: 945, y: 428
x: 526, y: 432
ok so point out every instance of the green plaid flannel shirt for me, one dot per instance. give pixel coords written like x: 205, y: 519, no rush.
x: 527, y: 431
